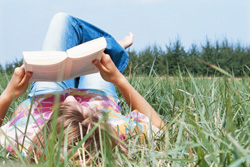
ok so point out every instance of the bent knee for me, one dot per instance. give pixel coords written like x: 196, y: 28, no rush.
x: 60, y: 17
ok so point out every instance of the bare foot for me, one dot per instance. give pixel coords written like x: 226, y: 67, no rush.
x: 127, y: 41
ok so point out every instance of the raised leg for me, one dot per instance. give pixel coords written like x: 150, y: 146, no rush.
x: 65, y: 32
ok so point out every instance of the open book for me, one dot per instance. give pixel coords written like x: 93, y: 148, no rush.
x: 59, y: 66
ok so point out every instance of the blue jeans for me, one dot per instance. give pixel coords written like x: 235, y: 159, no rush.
x: 66, y: 32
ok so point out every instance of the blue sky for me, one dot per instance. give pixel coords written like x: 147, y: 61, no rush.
x: 23, y: 23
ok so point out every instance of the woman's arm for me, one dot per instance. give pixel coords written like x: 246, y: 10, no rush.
x: 111, y: 74
x: 15, y: 88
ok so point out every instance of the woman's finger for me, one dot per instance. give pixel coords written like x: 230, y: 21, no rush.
x: 99, y: 65
x: 18, y: 74
x: 26, y: 78
x: 107, y: 62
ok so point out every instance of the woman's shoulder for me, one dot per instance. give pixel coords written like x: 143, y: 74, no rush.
x: 132, y: 123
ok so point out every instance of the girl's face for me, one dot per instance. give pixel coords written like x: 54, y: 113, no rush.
x: 85, y: 110
x: 72, y: 101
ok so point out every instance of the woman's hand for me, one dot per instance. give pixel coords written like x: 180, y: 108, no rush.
x: 16, y: 87
x: 18, y: 83
x: 108, y: 70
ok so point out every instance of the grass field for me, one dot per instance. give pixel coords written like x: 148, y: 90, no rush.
x: 208, y: 124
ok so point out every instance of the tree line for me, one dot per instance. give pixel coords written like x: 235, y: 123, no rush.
x: 173, y: 58
x: 197, y: 60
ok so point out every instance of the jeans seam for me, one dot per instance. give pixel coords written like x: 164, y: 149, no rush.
x: 79, y: 36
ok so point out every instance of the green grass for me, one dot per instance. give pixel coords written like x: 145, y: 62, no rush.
x: 207, y: 120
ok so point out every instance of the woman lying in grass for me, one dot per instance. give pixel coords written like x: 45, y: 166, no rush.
x: 81, y: 104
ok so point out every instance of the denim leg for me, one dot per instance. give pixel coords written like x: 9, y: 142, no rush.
x: 77, y: 31
x: 61, y: 36
x: 87, y: 32
x: 95, y: 81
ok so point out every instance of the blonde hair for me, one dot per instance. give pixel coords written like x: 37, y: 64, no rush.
x: 71, y: 117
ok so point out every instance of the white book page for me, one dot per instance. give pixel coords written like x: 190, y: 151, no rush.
x: 44, y: 57
x: 82, y: 66
x: 87, y: 48
x: 46, y: 66
x: 79, y: 61
x: 51, y: 73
